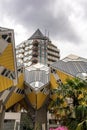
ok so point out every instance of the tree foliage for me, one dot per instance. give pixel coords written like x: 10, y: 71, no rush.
x: 70, y: 104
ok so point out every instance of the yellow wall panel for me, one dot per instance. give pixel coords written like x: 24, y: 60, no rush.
x: 21, y: 81
x: 40, y: 99
x: 63, y: 76
x: 7, y: 58
x: 16, y: 97
x: 36, y: 100
x: 13, y: 100
x: 5, y: 83
x: 32, y: 98
x: 53, y: 82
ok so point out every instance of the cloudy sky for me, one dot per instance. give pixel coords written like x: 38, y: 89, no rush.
x: 65, y: 20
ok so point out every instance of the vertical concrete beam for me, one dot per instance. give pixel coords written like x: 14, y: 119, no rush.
x: 2, y: 114
x: 41, y: 118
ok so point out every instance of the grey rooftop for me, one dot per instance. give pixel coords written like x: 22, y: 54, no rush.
x: 38, y: 35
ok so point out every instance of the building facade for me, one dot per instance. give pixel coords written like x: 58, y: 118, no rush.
x: 38, y: 48
x: 30, y: 89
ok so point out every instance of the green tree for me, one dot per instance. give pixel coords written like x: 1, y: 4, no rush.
x: 71, y: 102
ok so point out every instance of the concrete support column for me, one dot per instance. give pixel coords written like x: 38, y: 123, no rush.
x: 48, y: 120
x: 41, y: 119
x: 2, y: 114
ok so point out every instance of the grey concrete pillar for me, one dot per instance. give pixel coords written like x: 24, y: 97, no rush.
x: 2, y: 114
x: 41, y: 119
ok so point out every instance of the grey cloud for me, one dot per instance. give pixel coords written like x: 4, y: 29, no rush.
x: 40, y: 14
x: 83, y: 4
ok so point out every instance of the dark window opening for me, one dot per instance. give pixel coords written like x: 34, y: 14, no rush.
x: 4, y: 36
x: 7, y: 73
x: 3, y: 72
x: 9, y: 40
x: 11, y: 76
